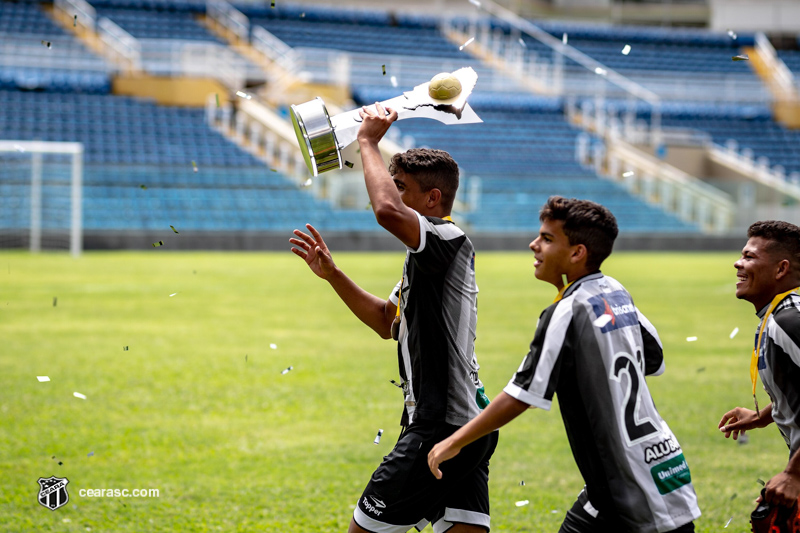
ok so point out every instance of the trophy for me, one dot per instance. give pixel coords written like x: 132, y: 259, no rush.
x: 322, y: 137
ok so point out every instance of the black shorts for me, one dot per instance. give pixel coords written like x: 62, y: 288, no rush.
x: 584, y: 518
x: 403, y: 493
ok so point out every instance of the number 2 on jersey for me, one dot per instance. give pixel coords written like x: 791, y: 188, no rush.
x: 636, y: 429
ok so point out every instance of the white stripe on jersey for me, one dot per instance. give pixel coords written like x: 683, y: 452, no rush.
x: 780, y: 338
x: 445, y: 232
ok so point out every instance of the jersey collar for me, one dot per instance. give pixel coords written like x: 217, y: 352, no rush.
x: 571, y: 287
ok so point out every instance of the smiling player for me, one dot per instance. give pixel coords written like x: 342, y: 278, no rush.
x: 769, y: 277
x: 593, y: 348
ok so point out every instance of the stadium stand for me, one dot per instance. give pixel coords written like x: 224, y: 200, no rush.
x: 146, y: 24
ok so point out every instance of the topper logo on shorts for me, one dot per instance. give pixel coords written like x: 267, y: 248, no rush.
x: 374, y: 508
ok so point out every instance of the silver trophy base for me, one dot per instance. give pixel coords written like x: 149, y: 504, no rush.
x: 312, y: 125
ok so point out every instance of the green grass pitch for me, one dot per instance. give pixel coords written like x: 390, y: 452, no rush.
x: 198, y: 408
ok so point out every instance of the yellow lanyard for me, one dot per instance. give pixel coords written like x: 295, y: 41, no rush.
x: 562, y: 291
x: 757, y: 347
x: 402, y: 279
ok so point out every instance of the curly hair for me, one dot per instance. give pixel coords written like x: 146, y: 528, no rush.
x: 433, y: 169
x: 585, y: 222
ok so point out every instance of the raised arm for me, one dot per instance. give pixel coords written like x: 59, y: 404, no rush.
x: 375, y: 312
x: 390, y: 211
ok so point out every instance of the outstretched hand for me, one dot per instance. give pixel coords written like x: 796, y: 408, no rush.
x: 737, y: 421
x: 375, y: 125
x: 314, y: 252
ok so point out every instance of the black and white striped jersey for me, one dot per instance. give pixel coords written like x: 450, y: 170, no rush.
x: 779, y: 366
x: 593, y: 349
x: 439, y: 314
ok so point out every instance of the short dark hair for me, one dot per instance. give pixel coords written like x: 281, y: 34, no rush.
x: 783, y: 240
x: 433, y: 169
x: 585, y: 222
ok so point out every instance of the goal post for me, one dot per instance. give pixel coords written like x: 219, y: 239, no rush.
x: 47, y: 172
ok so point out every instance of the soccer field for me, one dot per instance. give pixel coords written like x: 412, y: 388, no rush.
x: 180, y: 358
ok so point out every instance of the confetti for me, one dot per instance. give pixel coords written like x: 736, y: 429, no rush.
x: 348, y: 164
x: 42, y: 378
x: 303, y: 15
x: 143, y: 187
x: 48, y: 44
x: 19, y: 148
x: 243, y: 95
x: 628, y: 174
x: 521, y: 503
x: 475, y: 3
x: 173, y: 294
x: 124, y: 348
x: 522, y: 43
x: 194, y: 166
x: 733, y: 333
x: 273, y: 4
x: 79, y: 395
x: 393, y: 79
x: 728, y: 522
x: 691, y: 339
x: 378, y: 438
x: 308, y: 183
x: 284, y: 372
x: 742, y: 57
x: 522, y: 483
x: 743, y: 439
x: 89, y: 454
x: 75, y: 21
x: 732, y: 34
x: 383, y: 67
x: 626, y: 49
x: 66, y: 520
x: 469, y: 41
x: 55, y: 301
x: 173, y: 229
x: 600, y: 71
x: 273, y: 170
x: 396, y: 384
x: 760, y: 482
x: 217, y: 96
x: 701, y: 369
x: 733, y: 496
x: 273, y: 346
x: 564, y: 39
x: 602, y: 320
x: 159, y: 243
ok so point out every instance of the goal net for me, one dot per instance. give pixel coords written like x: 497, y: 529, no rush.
x: 40, y: 195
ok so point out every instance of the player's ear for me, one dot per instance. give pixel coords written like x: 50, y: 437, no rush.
x: 783, y: 269
x: 434, y: 197
x: 579, y: 253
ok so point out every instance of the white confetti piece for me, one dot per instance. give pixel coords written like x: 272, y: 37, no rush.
x: 732, y: 34
x: 378, y: 438
x: 602, y: 320
x: 308, y: 183
x: 522, y: 43
x: 600, y: 71
x: 564, y: 38
x: 469, y: 41
x: 284, y: 372
x: 273, y: 346
x: 626, y: 49
x: 79, y: 395
x: 742, y: 57
x: 733, y: 333
x: 173, y: 294
x: 393, y: 79
x: 475, y: 3
x: 194, y: 166
x: 89, y: 454
x: 42, y: 378
x: 628, y: 174
x: 691, y: 339
x: 244, y: 95
x: 728, y: 522
x: 19, y: 148
x: 521, y: 503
